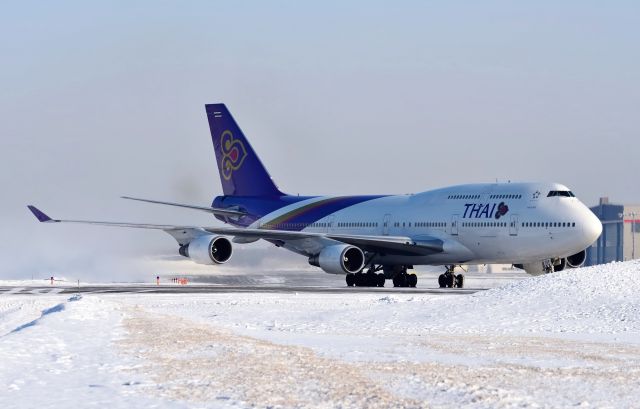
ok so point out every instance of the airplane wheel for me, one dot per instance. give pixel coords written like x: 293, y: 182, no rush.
x: 351, y: 280
x: 372, y: 280
x: 402, y: 279
x: 381, y: 280
x: 412, y: 280
x: 442, y: 282
x: 359, y: 279
x: 459, y: 281
x: 451, y: 280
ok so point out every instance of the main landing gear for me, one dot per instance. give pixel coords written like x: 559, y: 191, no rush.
x: 398, y: 274
x: 400, y: 277
x: 405, y: 279
x: 450, y: 280
x: 368, y: 279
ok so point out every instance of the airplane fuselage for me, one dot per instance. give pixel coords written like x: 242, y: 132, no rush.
x: 478, y: 223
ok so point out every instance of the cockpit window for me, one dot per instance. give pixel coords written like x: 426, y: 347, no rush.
x: 565, y: 193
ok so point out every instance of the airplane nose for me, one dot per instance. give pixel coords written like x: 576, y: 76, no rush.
x: 592, y: 227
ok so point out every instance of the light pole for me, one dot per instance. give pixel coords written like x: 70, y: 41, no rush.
x: 633, y: 231
x: 633, y: 235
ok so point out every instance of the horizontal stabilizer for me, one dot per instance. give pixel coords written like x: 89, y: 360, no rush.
x: 221, y: 212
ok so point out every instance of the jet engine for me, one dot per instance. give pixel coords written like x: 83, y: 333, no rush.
x: 576, y: 260
x: 208, y: 250
x: 339, y: 259
x: 559, y: 264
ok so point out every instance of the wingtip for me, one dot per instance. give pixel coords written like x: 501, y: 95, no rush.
x: 39, y: 214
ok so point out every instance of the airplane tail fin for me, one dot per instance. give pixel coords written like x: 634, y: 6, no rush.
x: 241, y: 172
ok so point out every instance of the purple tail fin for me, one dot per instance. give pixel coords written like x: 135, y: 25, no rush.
x: 241, y: 172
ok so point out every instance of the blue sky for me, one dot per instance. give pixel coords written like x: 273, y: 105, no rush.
x: 103, y: 99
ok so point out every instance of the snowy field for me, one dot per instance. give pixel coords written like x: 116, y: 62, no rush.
x: 570, y: 339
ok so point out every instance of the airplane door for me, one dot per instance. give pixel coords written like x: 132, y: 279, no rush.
x: 330, y: 223
x: 385, y: 224
x: 513, y: 225
x: 454, y: 225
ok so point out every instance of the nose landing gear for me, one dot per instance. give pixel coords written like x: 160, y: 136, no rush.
x: 450, y: 280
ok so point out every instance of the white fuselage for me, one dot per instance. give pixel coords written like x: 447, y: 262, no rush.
x: 478, y: 223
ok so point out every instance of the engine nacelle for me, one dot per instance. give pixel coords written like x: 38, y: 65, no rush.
x: 577, y: 260
x: 559, y: 264
x: 208, y: 250
x: 339, y: 259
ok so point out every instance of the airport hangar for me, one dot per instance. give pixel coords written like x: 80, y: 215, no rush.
x: 620, y: 239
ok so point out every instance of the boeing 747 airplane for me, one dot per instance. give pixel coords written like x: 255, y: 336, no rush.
x: 539, y: 227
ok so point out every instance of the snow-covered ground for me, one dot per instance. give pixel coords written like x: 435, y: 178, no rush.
x: 561, y: 340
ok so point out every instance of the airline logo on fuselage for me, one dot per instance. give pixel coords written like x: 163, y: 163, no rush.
x: 233, y: 154
x: 485, y: 210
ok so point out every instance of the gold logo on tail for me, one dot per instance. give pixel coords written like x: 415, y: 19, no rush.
x: 233, y: 154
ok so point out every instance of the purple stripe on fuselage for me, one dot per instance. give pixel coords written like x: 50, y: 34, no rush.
x: 255, y: 207
x: 299, y: 220
x: 259, y: 207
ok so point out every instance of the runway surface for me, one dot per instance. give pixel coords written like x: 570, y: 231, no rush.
x: 274, y: 283
x: 213, y: 289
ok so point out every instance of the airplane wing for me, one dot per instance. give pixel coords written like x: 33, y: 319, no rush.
x: 183, y: 234
x: 379, y: 244
x: 214, y: 210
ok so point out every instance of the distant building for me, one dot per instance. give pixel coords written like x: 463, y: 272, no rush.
x: 620, y: 238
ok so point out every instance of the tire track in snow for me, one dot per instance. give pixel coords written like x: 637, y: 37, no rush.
x: 194, y: 362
